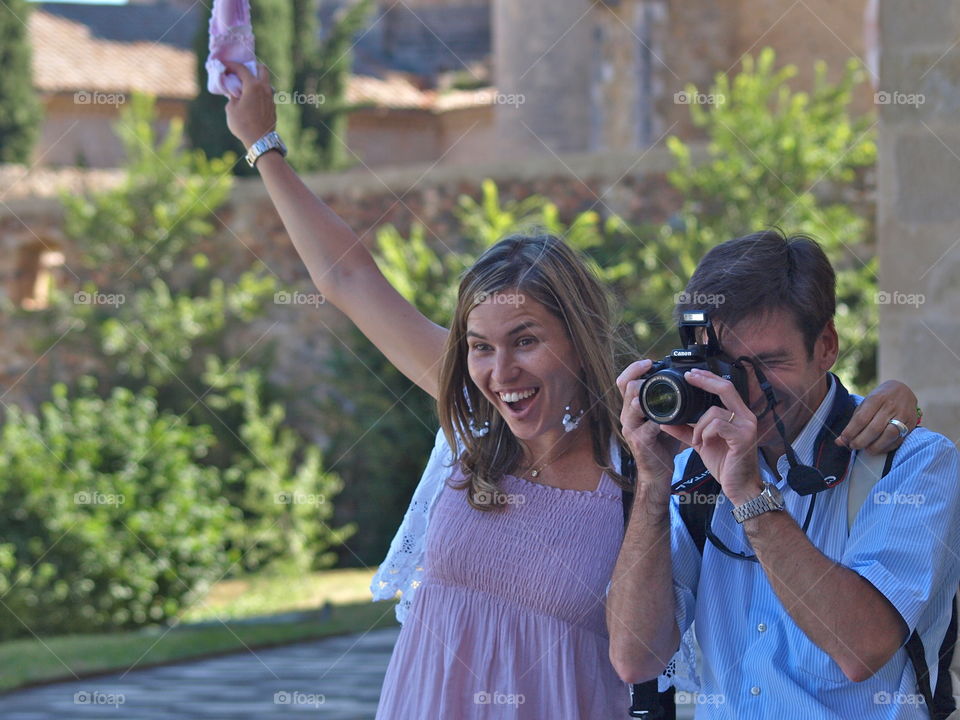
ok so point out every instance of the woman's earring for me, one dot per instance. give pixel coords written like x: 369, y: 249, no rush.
x: 479, y: 432
x: 570, y: 423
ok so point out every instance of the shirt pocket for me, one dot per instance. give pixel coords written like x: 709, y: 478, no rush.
x: 813, y: 661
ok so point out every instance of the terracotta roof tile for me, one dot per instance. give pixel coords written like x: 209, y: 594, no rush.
x: 398, y: 93
x: 66, y: 58
x: 394, y: 92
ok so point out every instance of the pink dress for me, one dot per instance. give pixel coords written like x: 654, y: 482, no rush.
x: 509, y: 621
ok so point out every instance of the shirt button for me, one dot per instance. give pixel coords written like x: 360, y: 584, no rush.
x: 761, y: 627
x: 754, y: 690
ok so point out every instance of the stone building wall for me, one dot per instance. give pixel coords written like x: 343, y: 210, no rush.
x: 918, y: 214
x: 611, y: 76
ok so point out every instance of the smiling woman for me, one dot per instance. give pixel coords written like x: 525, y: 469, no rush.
x: 530, y: 355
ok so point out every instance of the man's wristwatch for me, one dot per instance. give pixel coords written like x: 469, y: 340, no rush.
x: 270, y: 141
x: 769, y: 499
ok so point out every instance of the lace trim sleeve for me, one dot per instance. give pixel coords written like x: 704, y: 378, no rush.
x: 402, y: 571
x: 681, y: 671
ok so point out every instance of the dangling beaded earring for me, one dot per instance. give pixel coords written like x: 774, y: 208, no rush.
x: 571, y: 423
x: 479, y: 432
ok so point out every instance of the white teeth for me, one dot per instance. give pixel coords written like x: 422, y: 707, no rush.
x: 514, y: 396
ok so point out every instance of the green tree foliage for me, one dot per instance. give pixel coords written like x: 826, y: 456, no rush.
x: 137, y: 231
x: 321, y: 70
x: 20, y: 113
x: 159, y: 327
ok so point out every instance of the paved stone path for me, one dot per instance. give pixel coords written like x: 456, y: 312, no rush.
x: 332, y: 679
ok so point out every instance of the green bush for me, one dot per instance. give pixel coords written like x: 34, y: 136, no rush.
x: 111, y: 519
x: 160, y: 330
x: 175, y: 332
x: 276, y: 481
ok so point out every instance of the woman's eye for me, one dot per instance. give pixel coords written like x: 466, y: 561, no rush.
x: 479, y: 347
x: 526, y: 341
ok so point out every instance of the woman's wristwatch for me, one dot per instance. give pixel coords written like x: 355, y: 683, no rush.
x: 270, y: 141
x: 769, y: 499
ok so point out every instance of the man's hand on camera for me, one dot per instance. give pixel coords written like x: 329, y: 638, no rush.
x: 652, y: 449
x: 725, y: 438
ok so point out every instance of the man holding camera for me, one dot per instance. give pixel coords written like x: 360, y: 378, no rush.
x: 800, y: 610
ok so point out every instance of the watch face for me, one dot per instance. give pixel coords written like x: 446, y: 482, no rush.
x: 774, y: 492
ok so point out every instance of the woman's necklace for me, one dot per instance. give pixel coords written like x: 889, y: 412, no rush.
x: 536, y: 469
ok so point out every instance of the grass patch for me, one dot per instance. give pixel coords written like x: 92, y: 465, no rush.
x: 268, y: 595
x: 28, y: 662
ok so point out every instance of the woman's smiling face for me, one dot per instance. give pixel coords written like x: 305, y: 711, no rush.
x: 521, y: 359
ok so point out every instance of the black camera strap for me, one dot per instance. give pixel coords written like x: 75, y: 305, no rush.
x: 831, y: 465
x: 831, y: 461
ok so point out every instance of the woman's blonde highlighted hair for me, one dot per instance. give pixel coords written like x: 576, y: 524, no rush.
x: 547, y: 270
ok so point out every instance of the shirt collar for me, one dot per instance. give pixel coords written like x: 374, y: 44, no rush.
x: 805, y: 442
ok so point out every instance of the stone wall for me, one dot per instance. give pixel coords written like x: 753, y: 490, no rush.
x: 408, y: 137
x: 918, y: 214
x: 78, y: 131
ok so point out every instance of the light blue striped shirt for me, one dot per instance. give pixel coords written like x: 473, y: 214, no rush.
x: 756, y: 662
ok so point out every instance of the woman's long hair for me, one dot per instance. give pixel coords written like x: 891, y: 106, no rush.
x: 545, y: 269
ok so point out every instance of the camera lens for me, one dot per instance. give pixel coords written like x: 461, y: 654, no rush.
x: 667, y: 399
x: 661, y: 399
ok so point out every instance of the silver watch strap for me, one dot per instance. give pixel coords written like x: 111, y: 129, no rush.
x: 764, y: 502
x: 270, y: 141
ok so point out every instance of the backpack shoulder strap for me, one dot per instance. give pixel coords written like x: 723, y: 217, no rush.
x: 941, y: 701
x: 628, y: 469
x: 946, y: 695
x: 698, y: 500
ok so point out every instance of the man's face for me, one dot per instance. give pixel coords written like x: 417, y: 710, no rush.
x: 776, y: 344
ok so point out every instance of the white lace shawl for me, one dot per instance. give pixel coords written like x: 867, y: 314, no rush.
x: 402, y: 571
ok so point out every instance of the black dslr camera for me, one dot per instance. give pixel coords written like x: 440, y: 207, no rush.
x: 666, y: 398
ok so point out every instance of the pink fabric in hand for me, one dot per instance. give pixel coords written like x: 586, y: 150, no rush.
x: 231, y: 38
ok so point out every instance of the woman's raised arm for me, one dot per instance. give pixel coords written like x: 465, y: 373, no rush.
x: 339, y: 264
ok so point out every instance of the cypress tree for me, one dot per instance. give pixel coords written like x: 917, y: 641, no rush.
x: 324, y: 71
x: 20, y: 113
